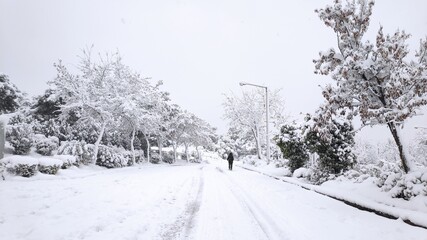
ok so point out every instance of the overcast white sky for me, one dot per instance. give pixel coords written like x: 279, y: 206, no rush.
x: 200, y: 49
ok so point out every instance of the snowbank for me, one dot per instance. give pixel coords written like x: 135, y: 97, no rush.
x: 365, y: 196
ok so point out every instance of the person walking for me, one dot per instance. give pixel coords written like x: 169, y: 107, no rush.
x: 230, y: 160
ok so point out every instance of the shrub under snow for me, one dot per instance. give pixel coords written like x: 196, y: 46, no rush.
x: 301, y: 172
x: 67, y: 160
x: 110, y: 158
x: 21, y: 165
x: 49, y: 165
x: 81, y: 150
x: 390, y: 178
x: 250, y: 159
x: 408, y: 185
x: 20, y: 136
x: 139, y: 156
x: 46, y: 145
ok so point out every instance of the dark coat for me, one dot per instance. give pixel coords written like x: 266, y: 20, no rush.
x: 230, y: 157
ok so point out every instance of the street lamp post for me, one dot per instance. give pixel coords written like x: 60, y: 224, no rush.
x: 266, y: 116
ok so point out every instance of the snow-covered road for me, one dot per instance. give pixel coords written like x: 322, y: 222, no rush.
x: 180, y: 202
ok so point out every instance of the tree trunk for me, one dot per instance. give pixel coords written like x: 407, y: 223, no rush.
x: 160, y: 146
x: 174, y: 151
x: 95, y: 150
x: 148, y: 146
x: 131, y: 145
x: 255, y: 132
x: 397, y: 138
x: 2, y: 138
x: 186, y: 152
x: 148, y: 150
x: 198, y: 154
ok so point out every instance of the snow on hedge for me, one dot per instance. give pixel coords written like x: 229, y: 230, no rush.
x: 67, y: 160
x: 49, y: 165
x: 20, y: 165
x: 15, y: 160
x: 45, y: 161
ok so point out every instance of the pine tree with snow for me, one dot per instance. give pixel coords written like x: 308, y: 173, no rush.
x: 333, y: 145
x: 10, y: 96
x: 375, y: 81
x: 292, y: 146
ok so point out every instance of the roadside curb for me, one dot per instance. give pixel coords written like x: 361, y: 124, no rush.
x: 383, y: 213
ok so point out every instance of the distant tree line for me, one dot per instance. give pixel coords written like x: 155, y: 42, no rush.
x: 103, y: 105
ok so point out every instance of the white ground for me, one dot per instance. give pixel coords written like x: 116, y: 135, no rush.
x: 204, y: 201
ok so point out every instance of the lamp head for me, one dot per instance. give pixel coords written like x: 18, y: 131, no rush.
x: 242, y: 83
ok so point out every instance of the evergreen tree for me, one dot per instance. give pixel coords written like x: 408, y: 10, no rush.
x: 292, y: 146
x: 47, y: 106
x: 10, y: 96
x: 333, y: 146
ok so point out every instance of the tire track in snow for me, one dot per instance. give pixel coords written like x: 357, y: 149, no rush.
x: 266, y: 223
x: 181, y: 228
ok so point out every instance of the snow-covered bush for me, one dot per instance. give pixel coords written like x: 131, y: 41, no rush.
x: 67, y: 160
x: 49, y: 165
x: 128, y: 156
x: 301, y: 173
x: 373, y: 170
x: 21, y: 165
x: 46, y: 145
x: 83, y: 151
x: 408, y: 185
x: 139, y: 156
x: 391, y: 178
x: 280, y: 162
x: 317, y: 176
x: 250, y: 160
x: 20, y: 134
x: 155, y: 157
x: 167, y: 156
x: 110, y: 158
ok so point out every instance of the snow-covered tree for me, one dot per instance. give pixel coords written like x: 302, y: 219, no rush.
x: 333, y: 144
x: 291, y: 143
x: 136, y: 104
x: 197, y: 133
x: 190, y: 131
x: 151, y: 122
x: 47, y: 106
x: 96, y: 93
x: 161, y: 126
x: 375, y: 81
x: 248, y: 113
x: 203, y: 137
x: 176, y: 126
x: 10, y: 96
